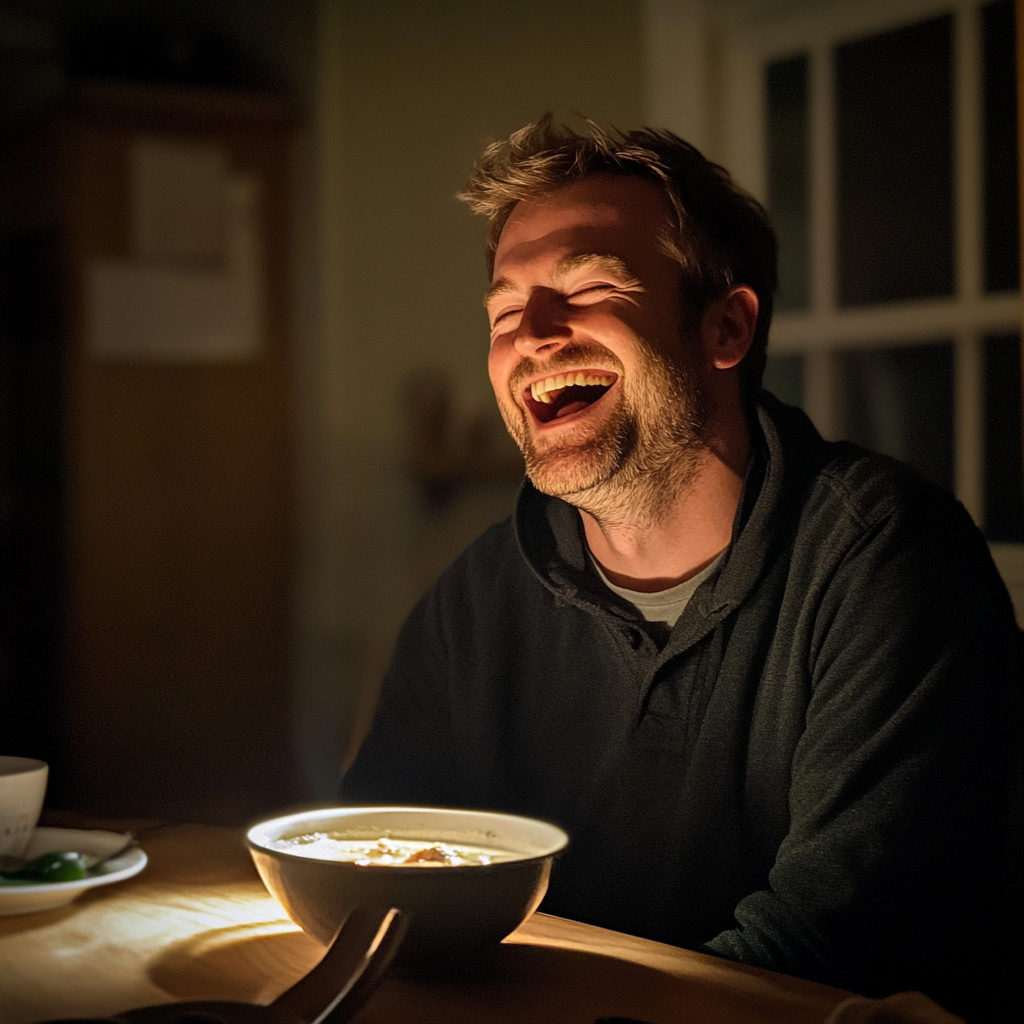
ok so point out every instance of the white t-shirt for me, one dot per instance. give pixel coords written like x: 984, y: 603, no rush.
x: 664, y: 605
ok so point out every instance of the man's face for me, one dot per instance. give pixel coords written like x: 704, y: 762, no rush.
x: 595, y: 376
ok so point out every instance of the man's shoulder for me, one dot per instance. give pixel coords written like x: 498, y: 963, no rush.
x: 870, y: 521
x: 870, y: 488
x: 844, y: 484
x: 847, y: 510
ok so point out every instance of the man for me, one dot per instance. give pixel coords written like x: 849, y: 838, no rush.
x: 764, y: 681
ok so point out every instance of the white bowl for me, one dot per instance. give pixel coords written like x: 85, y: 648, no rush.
x: 453, y: 910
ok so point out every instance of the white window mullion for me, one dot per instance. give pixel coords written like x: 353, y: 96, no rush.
x: 822, y: 180
x: 819, y: 385
x: 969, y: 394
x: 969, y: 423
x: 821, y: 392
x: 967, y: 150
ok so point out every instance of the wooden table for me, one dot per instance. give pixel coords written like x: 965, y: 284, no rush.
x: 198, y: 924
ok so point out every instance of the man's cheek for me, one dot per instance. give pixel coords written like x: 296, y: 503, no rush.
x: 498, y: 373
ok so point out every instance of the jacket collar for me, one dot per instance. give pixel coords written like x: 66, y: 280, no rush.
x: 786, y: 453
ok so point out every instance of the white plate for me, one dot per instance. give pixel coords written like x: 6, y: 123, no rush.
x: 28, y: 899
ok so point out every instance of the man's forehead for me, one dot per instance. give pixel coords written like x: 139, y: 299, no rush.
x: 604, y: 214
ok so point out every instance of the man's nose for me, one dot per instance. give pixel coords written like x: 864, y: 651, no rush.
x: 544, y: 326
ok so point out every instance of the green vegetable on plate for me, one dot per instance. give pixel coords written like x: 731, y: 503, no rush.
x: 62, y: 866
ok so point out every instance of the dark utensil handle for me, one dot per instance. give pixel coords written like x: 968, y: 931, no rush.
x: 351, y: 969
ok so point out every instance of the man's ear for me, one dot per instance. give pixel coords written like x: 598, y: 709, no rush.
x: 727, y: 327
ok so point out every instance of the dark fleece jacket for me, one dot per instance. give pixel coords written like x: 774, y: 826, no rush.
x: 809, y: 775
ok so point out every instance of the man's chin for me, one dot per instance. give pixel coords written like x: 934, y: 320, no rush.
x: 564, y: 473
x: 582, y: 458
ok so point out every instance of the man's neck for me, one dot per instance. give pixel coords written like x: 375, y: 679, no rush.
x: 651, y: 552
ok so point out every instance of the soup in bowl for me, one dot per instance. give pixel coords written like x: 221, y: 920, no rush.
x: 465, y: 878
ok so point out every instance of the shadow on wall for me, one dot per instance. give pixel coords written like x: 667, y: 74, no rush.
x: 449, y: 449
x: 455, y: 473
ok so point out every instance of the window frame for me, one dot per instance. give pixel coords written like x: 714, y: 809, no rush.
x: 720, y: 51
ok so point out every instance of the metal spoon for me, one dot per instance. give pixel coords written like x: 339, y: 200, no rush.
x: 90, y: 861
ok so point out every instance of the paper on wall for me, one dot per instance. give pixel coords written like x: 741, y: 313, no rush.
x: 192, y: 292
x: 152, y: 313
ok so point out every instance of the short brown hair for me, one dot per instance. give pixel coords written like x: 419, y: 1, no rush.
x: 722, y: 236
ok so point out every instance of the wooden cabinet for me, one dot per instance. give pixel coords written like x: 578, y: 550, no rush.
x: 176, y: 514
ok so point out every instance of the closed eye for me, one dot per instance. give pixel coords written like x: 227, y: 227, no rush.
x: 592, y: 291
x: 505, y: 314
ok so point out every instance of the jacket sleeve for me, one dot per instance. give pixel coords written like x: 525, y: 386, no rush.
x: 408, y: 756
x: 893, y: 865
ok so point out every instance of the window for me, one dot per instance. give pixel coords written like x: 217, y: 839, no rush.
x: 888, y: 161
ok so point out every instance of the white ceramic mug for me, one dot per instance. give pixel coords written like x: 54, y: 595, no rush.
x: 22, y: 788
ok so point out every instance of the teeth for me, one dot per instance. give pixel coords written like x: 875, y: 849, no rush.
x: 540, y: 389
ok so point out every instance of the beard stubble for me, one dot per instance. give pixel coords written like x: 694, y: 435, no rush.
x: 648, y: 451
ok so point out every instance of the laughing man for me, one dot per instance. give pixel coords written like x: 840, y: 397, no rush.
x: 764, y: 681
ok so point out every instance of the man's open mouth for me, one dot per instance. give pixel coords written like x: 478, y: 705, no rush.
x: 563, y: 394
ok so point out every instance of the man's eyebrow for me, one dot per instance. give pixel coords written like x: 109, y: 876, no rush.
x: 596, y: 261
x: 568, y: 265
x: 500, y: 287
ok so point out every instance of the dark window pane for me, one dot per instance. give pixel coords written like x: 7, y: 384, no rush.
x: 895, y: 165
x: 784, y: 377
x: 788, y: 170
x: 1002, y: 230
x: 1004, y: 476
x: 899, y: 401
